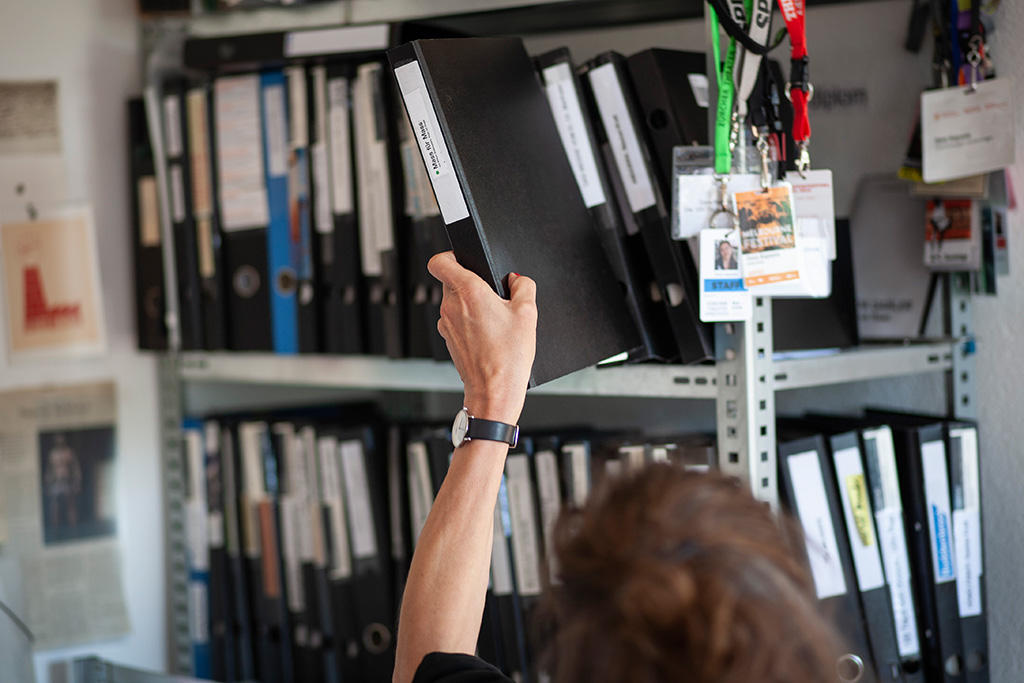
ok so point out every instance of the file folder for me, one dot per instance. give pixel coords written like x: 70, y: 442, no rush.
x: 507, y: 194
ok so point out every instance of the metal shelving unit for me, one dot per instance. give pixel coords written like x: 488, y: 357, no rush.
x: 743, y: 381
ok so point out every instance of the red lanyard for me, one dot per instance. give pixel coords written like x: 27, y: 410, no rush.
x: 800, y: 88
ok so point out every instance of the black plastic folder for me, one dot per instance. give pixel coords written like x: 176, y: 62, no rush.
x: 507, y: 193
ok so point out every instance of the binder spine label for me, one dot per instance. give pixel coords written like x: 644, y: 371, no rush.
x: 550, y: 501
x: 936, y: 490
x: 198, y: 611
x: 198, y: 150
x: 967, y: 541
x: 420, y: 490
x: 357, y: 498
x: 240, y: 186
x: 820, y: 535
x: 340, y: 136
x: 291, y: 520
x: 427, y: 131
x: 276, y: 125
x: 524, y: 525
x: 611, y: 102
x: 322, y: 222
x: 177, y: 193
x: 560, y: 86
x: 501, y: 565
x: 853, y: 492
x: 149, y: 218
x: 579, y: 468
x: 172, y: 126
x: 331, y: 495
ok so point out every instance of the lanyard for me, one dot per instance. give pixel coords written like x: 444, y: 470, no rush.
x: 748, y: 63
x: 800, y: 88
x: 724, y: 141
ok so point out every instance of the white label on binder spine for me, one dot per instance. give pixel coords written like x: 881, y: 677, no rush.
x: 860, y: 524
x: 525, y: 548
x: 432, y: 145
x: 421, y: 492
x: 177, y: 193
x: 936, y: 493
x: 341, y: 561
x: 622, y: 137
x: 550, y: 501
x: 198, y: 612
x: 357, y: 498
x: 172, y: 126
x: 290, y: 546
x: 815, y: 518
x: 967, y: 526
x: 560, y: 86
x: 699, y: 86
x: 199, y: 152
x: 501, y: 565
x: 241, y: 191
x: 276, y: 124
x: 340, y: 136
x: 299, y: 117
x: 580, y: 469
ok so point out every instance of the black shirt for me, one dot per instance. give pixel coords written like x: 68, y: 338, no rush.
x: 443, y: 667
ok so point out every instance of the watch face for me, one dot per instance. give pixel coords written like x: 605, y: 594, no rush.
x: 460, y: 427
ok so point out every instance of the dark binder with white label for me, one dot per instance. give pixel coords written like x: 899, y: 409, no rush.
x: 805, y: 474
x: 962, y: 452
x: 527, y: 543
x: 197, y: 543
x: 853, y: 488
x: 150, y: 306
x: 506, y: 615
x: 622, y: 244
x: 179, y: 194
x: 242, y: 209
x: 618, y: 127
x: 222, y: 642
x: 507, y: 193
x: 300, y: 217
x: 204, y: 215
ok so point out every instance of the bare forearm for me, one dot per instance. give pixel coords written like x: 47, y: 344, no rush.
x: 444, y: 594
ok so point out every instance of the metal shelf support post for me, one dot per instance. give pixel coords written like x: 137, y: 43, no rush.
x: 962, y: 390
x: 745, y: 405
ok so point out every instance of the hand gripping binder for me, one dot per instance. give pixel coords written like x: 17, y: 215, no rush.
x: 968, y: 543
x: 242, y: 210
x: 853, y: 487
x: 507, y: 194
x: 281, y: 268
x: 623, y: 247
x: 804, y: 472
x: 620, y: 130
x: 150, y: 306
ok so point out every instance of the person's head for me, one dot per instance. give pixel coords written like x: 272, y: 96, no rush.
x: 674, y: 576
x: 725, y: 250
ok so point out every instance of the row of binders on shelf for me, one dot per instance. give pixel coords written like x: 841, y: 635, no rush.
x: 890, y: 508
x: 302, y: 215
x: 301, y: 527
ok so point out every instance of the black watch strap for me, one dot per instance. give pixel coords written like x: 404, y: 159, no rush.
x: 488, y: 430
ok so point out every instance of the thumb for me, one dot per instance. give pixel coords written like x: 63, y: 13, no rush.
x: 522, y: 289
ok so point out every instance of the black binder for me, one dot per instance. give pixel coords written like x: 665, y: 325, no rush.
x: 668, y: 106
x: 924, y: 483
x: 179, y: 194
x: 548, y: 484
x: 204, y: 214
x: 852, y: 485
x: 222, y: 640
x: 147, y: 240
x: 235, y: 514
x: 342, y: 293
x: 962, y: 452
x: 619, y: 128
x: 377, y: 181
x: 243, y: 211
x: 622, y: 246
x: 506, y: 616
x: 364, y: 484
x: 398, y: 512
x: 527, y: 543
x: 804, y: 473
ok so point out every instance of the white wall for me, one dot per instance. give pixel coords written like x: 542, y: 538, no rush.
x: 91, y: 48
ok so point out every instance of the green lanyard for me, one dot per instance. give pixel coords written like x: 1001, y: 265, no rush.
x: 726, y: 93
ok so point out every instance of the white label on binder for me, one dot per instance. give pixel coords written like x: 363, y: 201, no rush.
x: 290, y: 549
x: 432, y: 145
x: 198, y: 549
x: 341, y: 561
x: 373, y: 179
x: 340, y: 137
x: 199, y: 152
x: 560, y: 85
x: 860, y: 523
x: 421, y: 492
x: 550, y: 501
x: 276, y: 124
x: 149, y: 215
x: 172, y: 126
x: 580, y: 468
x: 967, y: 526
x: 699, y: 86
x: 622, y: 137
x: 525, y: 547
x: 240, y: 186
x: 177, y: 193
x: 342, y: 39
x: 357, y: 498
x: 816, y: 519
x: 299, y: 117
x: 198, y: 613
x: 501, y: 565
x: 322, y: 220
x: 936, y: 493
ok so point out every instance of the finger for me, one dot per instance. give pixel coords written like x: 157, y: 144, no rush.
x: 522, y: 289
x: 445, y: 268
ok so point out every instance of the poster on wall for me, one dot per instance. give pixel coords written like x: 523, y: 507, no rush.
x: 58, y: 459
x: 51, y: 286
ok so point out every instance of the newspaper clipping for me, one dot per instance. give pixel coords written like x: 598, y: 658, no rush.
x: 57, y: 472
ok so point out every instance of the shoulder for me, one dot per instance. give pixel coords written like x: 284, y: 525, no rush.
x: 441, y: 667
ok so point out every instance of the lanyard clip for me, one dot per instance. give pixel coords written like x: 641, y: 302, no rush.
x: 803, y: 159
x: 723, y: 204
x: 975, y: 48
x: 761, y: 135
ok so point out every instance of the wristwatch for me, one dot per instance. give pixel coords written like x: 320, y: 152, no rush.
x: 466, y: 428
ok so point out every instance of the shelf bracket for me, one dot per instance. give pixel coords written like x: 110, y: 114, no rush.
x: 961, y: 392
x: 746, y: 402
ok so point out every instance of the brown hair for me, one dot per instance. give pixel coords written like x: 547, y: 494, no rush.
x: 666, y: 575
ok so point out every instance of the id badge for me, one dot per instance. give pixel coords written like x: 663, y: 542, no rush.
x: 953, y: 235
x: 768, y: 237
x: 723, y: 297
x: 815, y: 208
x: 966, y: 132
x: 695, y: 188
